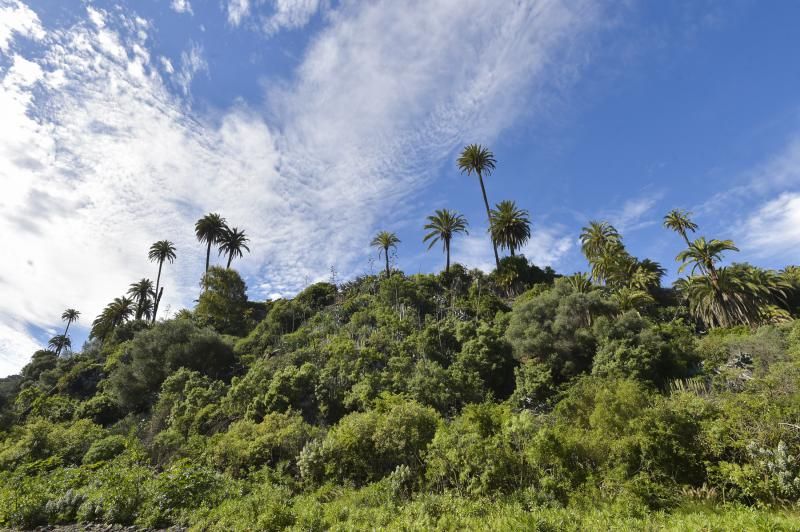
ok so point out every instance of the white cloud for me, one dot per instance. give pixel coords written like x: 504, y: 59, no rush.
x: 181, y: 6
x: 237, y: 10
x: 547, y: 247
x: 633, y: 213
x: 192, y: 62
x: 98, y: 158
x: 774, y: 229
x: 273, y: 15
x: 17, y: 18
x: 290, y: 14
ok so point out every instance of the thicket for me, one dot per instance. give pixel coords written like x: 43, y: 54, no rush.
x: 459, y: 400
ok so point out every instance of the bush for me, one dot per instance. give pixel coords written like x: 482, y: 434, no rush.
x: 105, y: 449
x: 247, y: 446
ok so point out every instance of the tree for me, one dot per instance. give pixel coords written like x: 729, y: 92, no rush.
x: 510, y: 227
x: 679, y: 221
x: 738, y: 295
x: 209, y: 230
x: 232, y: 242
x: 117, y: 312
x: 597, y: 238
x: 223, y: 302
x: 478, y: 159
x: 143, y: 296
x: 703, y: 255
x: 442, y: 226
x: 161, y: 251
x: 70, y: 315
x: 59, y: 342
x: 383, y: 241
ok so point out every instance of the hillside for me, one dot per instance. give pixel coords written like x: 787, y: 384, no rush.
x: 459, y: 400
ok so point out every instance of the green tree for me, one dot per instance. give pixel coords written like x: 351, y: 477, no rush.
x: 511, y: 226
x: 223, y: 302
x: 442, y: 226
x: 143, y: 296
x: 115, y: 313
x: 59, y: 342
x: 478, y: 159
x: 210, y: 229
x: 70, y: 315
x: 383, y: 241
x: 232, y: 242
x: 703, y: 255
x: 161, y: 251
x: 680, y: 221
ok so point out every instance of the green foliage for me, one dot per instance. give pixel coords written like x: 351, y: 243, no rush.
x: 155, y: 353
x: 247, y: 446
x: 223, y: 303
x: 366, y: 446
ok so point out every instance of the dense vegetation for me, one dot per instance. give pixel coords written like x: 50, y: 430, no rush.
x: 518, y: 399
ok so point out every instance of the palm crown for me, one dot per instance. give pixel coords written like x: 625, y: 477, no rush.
x: 511, y: 227
x: 383, y: 241
x: 142, y: 294
x: 680, y: 221
x: 232, y: 242
x: 209, y: 230
x: 161, y: 251
x: 704, y: 254
x: 441, y: 227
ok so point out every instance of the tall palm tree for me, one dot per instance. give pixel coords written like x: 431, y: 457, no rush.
x: 383, y: 241
x: 478, y: 159
x: 442, y: 226
x: 70, y: 315
x: 511, y: 227
x: 702, y: 254
x: 59, y: 342
x: 143, y: 295
x: 161, y: 251
x: 680, y: 221
x: 232, y: 242
x: 209, y: 230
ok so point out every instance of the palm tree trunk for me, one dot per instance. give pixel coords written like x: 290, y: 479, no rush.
x: 208, y: 255
x: 58, y: 351
x: 511, y: 248
x: 230, y: 258
x: 489, y: 217
x: 157, y: 297
x: 447, y: 251
x: 386, y: 256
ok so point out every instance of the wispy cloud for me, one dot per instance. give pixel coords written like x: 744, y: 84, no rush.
x: 100, y: 158
x: 181, y: 6
x: 17, y: 19
x: 773, y: 230
x: 272, y: 16
x: 192, y: 62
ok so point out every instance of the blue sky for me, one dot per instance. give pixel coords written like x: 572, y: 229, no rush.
x: 312, y: 124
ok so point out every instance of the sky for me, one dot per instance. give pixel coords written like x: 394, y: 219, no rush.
x: 313, y: 124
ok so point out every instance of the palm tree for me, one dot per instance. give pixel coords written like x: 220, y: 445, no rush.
x: 383, y: 241
x: 511, y: 227
x: 741, y: 295
x: 142, y: 294
x: 210, y: 229
x: 59, y: 342
x: 232, y: 242
x: 702, y: 254
x: 159, y: 252
x: 478, y: 159
x: 118, y: 311
x: 679, y: 221
x: 597, y: 238
x: 580, y: 283
x: 69, y: 316
x: 442, y: 226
